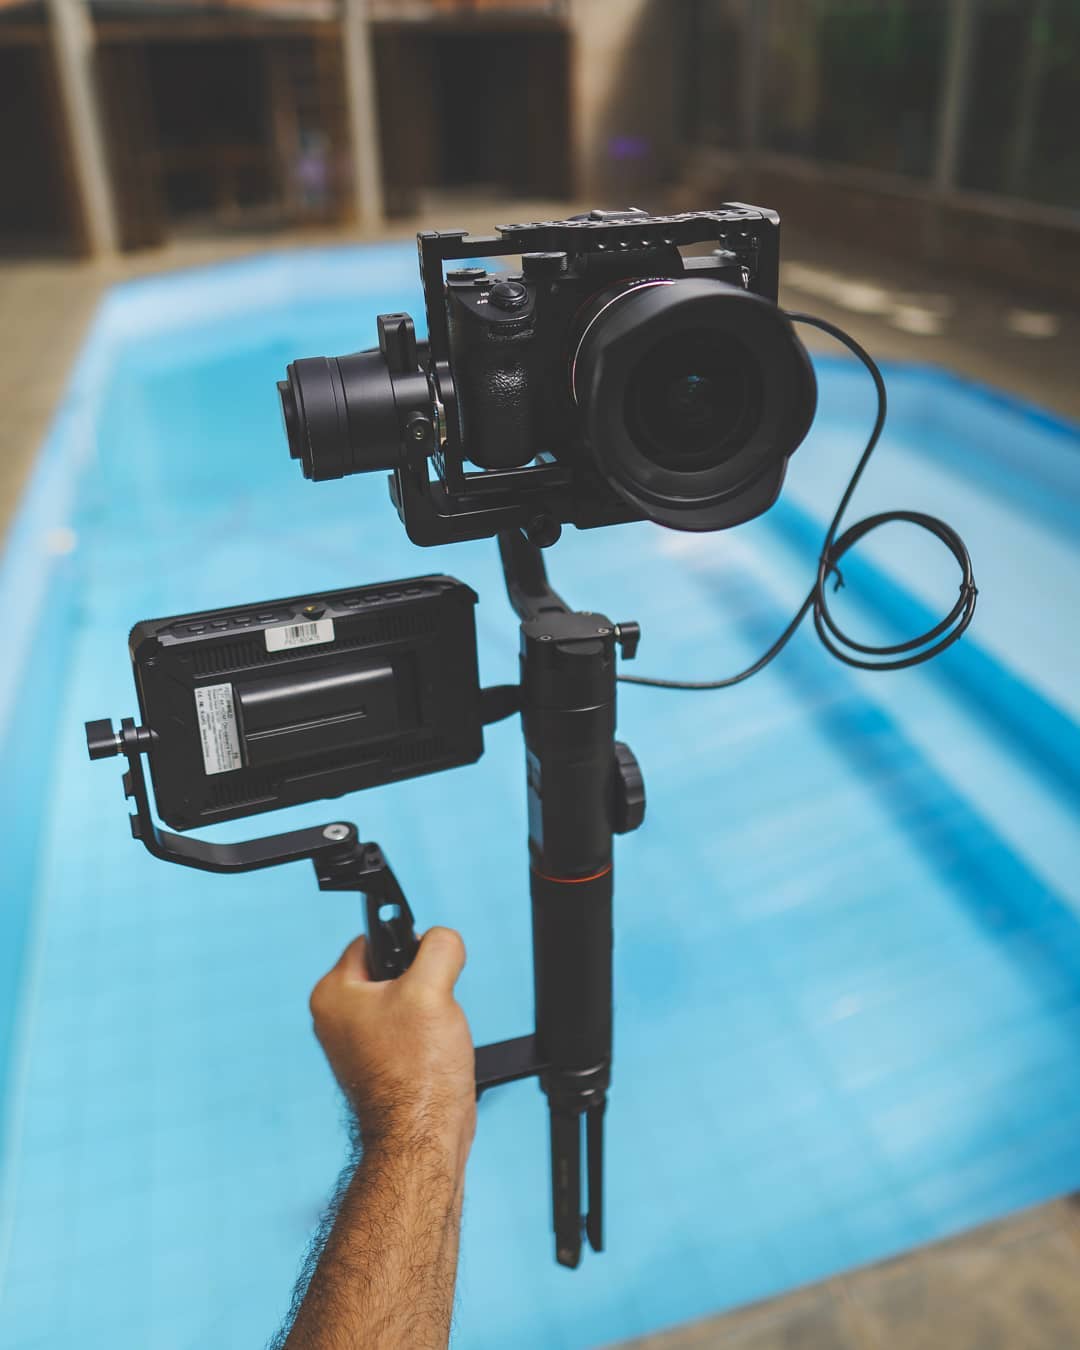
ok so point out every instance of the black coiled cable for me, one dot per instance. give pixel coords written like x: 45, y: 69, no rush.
x: 852, y: 653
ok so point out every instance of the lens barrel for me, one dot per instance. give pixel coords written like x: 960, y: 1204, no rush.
x: 694, y: 394
x: 340, y: 414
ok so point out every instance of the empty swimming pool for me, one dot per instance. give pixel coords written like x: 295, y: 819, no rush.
x: 847, y: 940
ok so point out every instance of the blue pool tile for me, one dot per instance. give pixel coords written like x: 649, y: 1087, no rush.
x: 848, y: 1001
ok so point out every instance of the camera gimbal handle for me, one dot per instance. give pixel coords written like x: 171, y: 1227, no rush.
x: 584, y: 787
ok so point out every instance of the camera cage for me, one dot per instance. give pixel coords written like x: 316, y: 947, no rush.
x: 459, y: 504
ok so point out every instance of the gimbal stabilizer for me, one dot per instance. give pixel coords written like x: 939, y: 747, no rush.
x: 583, y: 788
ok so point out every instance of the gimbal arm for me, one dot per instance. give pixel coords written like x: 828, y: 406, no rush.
x: 582, y: 789
x: 526, y: 577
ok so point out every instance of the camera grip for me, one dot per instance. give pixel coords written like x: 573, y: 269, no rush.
x: 492, y: 377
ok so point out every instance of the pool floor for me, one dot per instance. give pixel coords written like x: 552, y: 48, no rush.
x: 847, y: 951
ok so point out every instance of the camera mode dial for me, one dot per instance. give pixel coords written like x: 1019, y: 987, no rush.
x: 508, y: 295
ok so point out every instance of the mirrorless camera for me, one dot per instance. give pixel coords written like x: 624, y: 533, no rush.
x: 612, y: 376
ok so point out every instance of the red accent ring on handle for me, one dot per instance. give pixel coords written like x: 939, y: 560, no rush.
x: 573, y: 881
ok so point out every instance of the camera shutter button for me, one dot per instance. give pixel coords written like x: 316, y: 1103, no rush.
x: 508, y: 295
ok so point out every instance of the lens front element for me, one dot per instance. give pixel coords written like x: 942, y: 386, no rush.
x: 694, y: 399
x: 694, y: 395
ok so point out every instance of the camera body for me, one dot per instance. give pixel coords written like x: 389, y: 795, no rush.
x: 613, y: 376
x: 514, y: 335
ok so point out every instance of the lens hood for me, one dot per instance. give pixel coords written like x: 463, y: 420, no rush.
x: 754, y: 361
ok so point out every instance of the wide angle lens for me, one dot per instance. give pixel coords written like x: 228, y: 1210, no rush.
x: 694, y: 395
x: 694, y: 399
x: 339, y: 413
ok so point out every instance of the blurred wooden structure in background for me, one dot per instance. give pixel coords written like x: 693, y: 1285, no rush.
x: 229, y: 121
x: 40, y: 207
x: 157, y: 118
x: 945, y: 133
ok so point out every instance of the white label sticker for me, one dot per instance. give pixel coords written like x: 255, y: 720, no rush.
x: 217, y: 728
x: 299, y: 635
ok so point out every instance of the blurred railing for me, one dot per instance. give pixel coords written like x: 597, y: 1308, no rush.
x: 397, y: 10
x: 206, y: 11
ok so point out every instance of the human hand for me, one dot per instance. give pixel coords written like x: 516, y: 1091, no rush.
x: 401, y: 1049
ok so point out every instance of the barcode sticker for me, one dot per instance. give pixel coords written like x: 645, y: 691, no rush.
x: 299, y: 635
x: 217, y: 728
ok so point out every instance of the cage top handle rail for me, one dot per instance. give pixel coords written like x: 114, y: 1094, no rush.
x: 738, y: 225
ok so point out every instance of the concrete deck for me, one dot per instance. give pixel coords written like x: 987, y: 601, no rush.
x: 1014, y: 1284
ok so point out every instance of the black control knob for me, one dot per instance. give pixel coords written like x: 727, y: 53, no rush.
x: 466, y: 274
x: 543, y: 530
x: 543, y: 266
x: 101, y: 740
x: 508, y: 294
x: 628, y: 635
x: 629, y: 790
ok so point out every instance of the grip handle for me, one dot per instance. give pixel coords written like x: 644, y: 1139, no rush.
x: 391, y: 931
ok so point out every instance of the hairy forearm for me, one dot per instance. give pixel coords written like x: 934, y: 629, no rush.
x: 385, y: 1277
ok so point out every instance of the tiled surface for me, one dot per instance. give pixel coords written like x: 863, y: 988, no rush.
x: 848, y: 960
